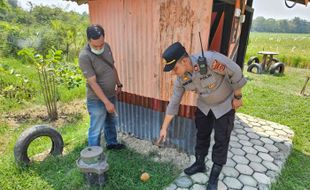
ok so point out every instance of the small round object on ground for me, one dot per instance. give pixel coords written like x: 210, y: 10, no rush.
x: 145, y: 177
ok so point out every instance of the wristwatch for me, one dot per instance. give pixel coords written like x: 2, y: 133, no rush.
x: 120, y: 86
x: 238, y: 97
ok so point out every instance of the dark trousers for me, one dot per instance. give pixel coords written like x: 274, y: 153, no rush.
x: 222, y: 130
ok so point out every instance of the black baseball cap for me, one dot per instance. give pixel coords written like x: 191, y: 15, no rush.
x: 172, y: 54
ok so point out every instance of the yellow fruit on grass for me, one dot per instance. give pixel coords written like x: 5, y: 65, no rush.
x: 144, y: 177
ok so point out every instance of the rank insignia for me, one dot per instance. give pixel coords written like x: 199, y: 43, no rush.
x: 185, y: 78
x: 168, y: 63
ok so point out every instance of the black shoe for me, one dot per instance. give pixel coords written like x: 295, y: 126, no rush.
x: 212, y: 186
x: 116, y: 146
x: 214, y: 177
x: 198, y: 166
x: 195, y: 168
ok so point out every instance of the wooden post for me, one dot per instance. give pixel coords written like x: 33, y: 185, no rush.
x: 302, y: 92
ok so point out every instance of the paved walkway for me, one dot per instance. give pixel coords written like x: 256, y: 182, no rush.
x: 258, y: 150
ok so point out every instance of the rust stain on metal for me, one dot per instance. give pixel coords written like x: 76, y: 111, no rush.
x: 139, y: 31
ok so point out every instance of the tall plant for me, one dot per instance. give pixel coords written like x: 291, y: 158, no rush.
x: 45, y: 66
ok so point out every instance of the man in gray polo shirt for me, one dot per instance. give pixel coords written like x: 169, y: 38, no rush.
x: 218, y: 84
x: 97, y: 64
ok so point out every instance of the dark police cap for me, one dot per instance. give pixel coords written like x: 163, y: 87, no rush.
x: 172, y: 54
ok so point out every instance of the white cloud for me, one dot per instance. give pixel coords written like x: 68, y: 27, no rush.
x: 66, y: 5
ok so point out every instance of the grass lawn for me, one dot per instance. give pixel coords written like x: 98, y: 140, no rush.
x: 61, y: 172
x: 274, y: 98
x: 293, y: 49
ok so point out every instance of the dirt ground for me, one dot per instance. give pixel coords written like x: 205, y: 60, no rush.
x: 67, y: 113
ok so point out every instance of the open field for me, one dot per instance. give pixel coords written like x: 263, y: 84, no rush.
x: 293, y: 49
x: 275, y: 98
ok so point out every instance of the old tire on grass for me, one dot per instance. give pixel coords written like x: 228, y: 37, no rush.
x: 253, y: 59
x: 29, y: 135
x: 277, y: 68
x: 254, y: 66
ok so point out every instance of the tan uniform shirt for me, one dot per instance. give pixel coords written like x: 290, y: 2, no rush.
x: 215, y: 88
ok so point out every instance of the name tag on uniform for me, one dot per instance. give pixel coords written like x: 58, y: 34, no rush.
x: 205, y: 77
x: 187, y: 82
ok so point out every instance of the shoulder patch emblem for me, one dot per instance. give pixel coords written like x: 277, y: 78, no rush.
x: 218, y: 66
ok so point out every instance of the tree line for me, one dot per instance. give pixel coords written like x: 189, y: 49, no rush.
x: 296, y: 25
x: 41, y: 28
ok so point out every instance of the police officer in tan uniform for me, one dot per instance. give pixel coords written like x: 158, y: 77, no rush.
x: 219, y: 90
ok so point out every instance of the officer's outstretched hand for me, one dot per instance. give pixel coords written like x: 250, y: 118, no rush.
x: 236, y: 103
x: 162, y: 136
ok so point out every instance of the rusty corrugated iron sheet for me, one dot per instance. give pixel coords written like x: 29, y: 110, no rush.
x: 139, y: 31
x: 80, y: 2
x: 155, y: 104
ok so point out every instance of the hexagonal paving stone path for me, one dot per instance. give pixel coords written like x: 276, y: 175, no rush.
x: 257, y: 152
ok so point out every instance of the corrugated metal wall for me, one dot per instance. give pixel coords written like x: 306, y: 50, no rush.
x: 139, y: 31
x: 144, y: 123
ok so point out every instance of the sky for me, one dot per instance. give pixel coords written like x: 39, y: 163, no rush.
x: 66, y: 5
x: 277, y: 9
x: 267, y: 8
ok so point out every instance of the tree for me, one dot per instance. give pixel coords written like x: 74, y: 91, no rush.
x: 13, y: 3
x: 300, y: 25
x: 296, y: 25
x: 47, y: 76
x: 4, y: 9
x: 41, y: 28
x: 283, y: 26
x: 259, y: 24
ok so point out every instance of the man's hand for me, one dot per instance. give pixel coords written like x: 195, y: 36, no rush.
x: 236, y: 103
x: 110, y: 107
x: 118, y: 90
x: 162, y: 137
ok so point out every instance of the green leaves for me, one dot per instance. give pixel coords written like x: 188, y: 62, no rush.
x: 68, y: 74
x: 14, y: 85
x: 41, y: 28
